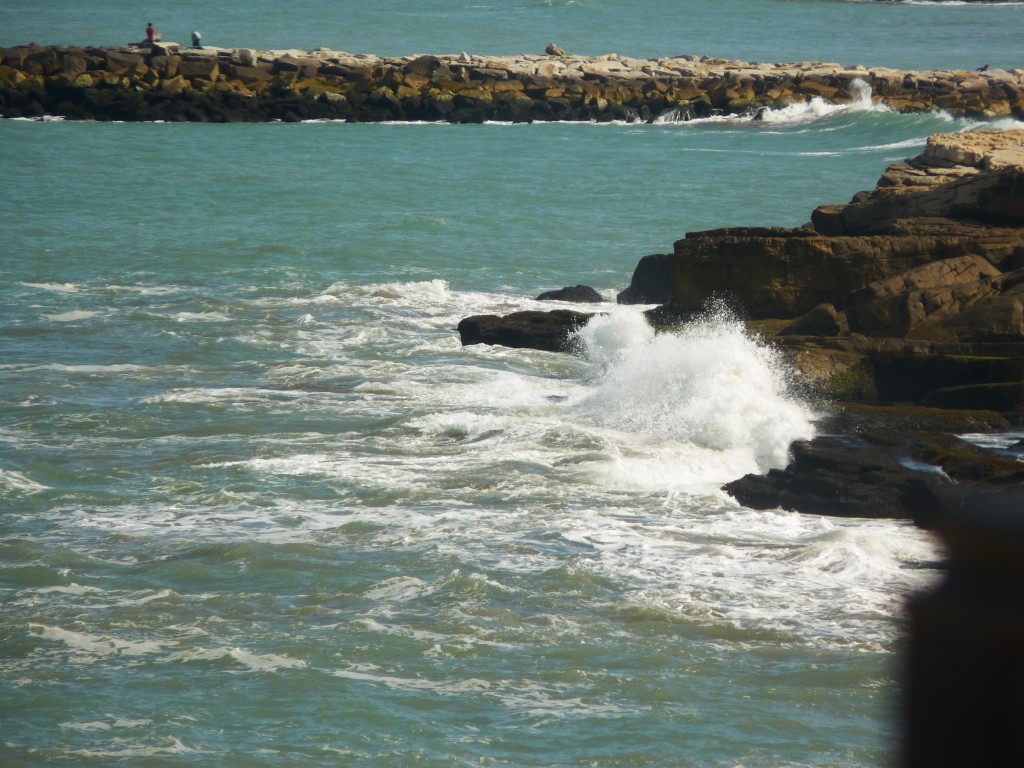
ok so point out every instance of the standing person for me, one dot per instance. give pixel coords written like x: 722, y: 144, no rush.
x: 150, y: 33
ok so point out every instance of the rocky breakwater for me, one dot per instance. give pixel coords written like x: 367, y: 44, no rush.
x: 167, y: 82
x: 904, y: 312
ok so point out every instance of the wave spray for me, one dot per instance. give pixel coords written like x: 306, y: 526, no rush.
x: 709, y: 393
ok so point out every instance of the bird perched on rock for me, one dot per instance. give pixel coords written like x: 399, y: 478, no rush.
x: 554, y: 50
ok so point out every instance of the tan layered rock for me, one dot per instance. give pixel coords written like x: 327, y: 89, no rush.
x: 977, y: 175
x: 922, y: 300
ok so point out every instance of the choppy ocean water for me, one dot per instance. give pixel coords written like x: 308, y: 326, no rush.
x: 258, y: 507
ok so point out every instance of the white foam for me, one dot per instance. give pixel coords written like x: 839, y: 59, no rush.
x: 70, y: 589
x: 119, y: 752
x: 415, y: 291
x: 915, y: 143
x: 18, y: 482
x: 91, y: 726
x: 71, y: 316
x: 200, y: 317
x: 253, y: 662
x: 709, y: 385
x: 146, y: 290
x: 798, y: 113
x: 997, y: 124
x: 54, y: 287
x: 86, y: 368
x: 234, y: 395
x: 817, y: 109
x: 92, y: 645
x: 106, y: 725
x: 766, y: 576
x: 400, y: 589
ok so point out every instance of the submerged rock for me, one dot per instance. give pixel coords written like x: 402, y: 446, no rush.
x: 580, y: 294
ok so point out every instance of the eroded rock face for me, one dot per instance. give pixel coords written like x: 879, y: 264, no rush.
x: 910, y: 302
x: 974, y: 175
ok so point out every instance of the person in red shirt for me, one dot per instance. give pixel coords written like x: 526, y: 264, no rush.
x: 150, y: 33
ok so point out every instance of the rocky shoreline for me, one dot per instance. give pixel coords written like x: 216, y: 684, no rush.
x: 902, y: 311
x: 168, y: 82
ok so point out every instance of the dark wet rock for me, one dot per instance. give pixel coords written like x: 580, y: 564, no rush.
x: 916, y: 375
x: 788, y: 272
x: 580, y: 294
x: 841, y: 476
x: 549, y: 331
x: 877, y: 459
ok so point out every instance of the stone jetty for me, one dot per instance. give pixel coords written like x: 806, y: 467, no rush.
x: 168, y: 82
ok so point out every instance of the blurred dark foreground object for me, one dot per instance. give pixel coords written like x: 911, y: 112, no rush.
x: 964, y: 701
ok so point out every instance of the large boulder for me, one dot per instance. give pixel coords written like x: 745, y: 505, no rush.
x: 579, y: 294
x: 549, y: 331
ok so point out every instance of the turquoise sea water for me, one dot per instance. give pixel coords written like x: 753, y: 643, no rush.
x: 258, y: 507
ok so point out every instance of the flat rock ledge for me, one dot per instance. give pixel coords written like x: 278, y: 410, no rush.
x: 168, y: 82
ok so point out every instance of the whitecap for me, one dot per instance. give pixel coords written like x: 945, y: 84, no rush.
x: 91, y: 726
x: 18, y: 482
x: 253, y: 662
x: 398, y: 589
x: 54, y: 287
x: 200, y: 317
x: 71, y: 316
x: 91, y: 645
x: 813, y: 110
x: 86, y: 368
